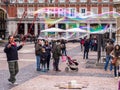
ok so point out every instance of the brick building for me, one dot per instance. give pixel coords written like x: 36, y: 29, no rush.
x: 16, y: 15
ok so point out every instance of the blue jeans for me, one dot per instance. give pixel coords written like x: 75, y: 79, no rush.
x: 38, y: 61
x: 64, y: 52
x: 108, y: 59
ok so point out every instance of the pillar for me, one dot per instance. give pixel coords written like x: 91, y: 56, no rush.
x: 110, y: 31
x: 88, y: 29
x: 26, y: 29
x: 67, y: 34
x: 56, y: 25
x: 77, y: 32
x: 118, y: 31
x: 36, y: 29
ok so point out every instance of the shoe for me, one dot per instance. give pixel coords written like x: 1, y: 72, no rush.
x: 58, y: 70
x: 10, y: 81
x: 105, y: 69
x: 38, y: 69
x: 15, y: 83
x: 116, y: 77
x: 43, y: 70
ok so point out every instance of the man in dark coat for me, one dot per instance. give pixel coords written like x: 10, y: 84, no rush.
x: 56, y: 56
x: 11, y: 50
x: 86, y: 49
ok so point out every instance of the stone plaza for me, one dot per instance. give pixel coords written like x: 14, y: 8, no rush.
x: 29, y: 79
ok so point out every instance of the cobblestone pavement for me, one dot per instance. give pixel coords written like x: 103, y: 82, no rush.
x: 29, y: 79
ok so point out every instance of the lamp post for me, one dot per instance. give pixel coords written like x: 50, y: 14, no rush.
x: 99, y: 47
x: 6, y: 2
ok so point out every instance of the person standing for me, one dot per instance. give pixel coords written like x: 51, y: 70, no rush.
x: 108, y: 49
x: 56, y: 56
x: 86, y: 49
x: 43, y: 60
x: 11, y: 50
x: 38, y: 50
x: 82, y: 41
x: 48, y: 53
x: 63, y: 42
x: 116, y: 54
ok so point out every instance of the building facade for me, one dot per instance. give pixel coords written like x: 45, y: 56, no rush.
x: 17, y: 17
x: 117, y: 6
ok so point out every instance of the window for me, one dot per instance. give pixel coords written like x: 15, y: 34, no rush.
x: 83, y: 10
x: 51, y: 1
x: 83, y: 0
x: 61, y: 12
x: 71, y: 12
x: 20, y: 1
x: 30, y: 11
x: 40, y: 15
x: 94, y: 10
x: 105, y: 10
x: 105, y: 0
x: 61, y: 1
x: 12, y: 1
x: 94, y: 0
x: 31, y: 1
x: 20, y: 12
x: 72, y: 0
x: 41, y: 1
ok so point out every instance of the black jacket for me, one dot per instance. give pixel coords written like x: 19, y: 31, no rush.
x: 12, y: 52
x: 86, y: 46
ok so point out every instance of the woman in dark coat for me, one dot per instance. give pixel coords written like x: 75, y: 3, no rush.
x: 48, y: 53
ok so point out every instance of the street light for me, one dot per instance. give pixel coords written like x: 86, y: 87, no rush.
x: 99, y: 47
x: 6, y: 2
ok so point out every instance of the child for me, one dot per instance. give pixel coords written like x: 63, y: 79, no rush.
x: 43, y: 60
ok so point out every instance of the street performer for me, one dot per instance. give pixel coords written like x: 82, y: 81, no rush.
x: 11, y: 50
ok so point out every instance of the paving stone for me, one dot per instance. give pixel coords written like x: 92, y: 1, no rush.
x: 30, y: 79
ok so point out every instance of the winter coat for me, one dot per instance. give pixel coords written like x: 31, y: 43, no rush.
x: 43, y: 57
x: 86, y: 46
x: 57, y: 52
x: 117, y: 55
x: 38, y: 49
x: 109, y: 49
x: 47, y: 49
x: 12, y: 52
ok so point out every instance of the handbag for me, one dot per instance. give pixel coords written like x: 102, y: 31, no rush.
x: 114, y: 60
x: 64, y: 58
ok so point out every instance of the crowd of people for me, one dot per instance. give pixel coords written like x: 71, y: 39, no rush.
x: 44, y: 50
x: 112, y: 53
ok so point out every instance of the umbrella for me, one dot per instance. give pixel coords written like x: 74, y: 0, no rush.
x: 40, y: 37
x: 76, y: 30
x: 53, y: 30
x: 98, y: 32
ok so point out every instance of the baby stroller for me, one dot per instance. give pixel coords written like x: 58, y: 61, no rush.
x: 72, y: 64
